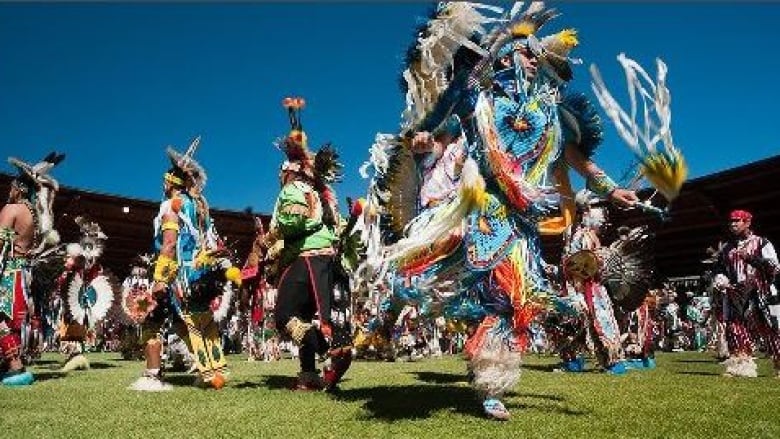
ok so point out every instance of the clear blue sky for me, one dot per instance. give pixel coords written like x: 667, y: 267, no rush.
x: 112, y: 85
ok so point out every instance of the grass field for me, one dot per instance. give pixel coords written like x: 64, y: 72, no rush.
x: 684, y: 397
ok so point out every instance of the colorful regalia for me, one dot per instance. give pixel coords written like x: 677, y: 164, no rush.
x: 455, y: 227
x: 639, y: 335
x: 86, y: 293
x: 193, y: 277
x: 745, y: 273
x: 312, y: 305
x: 595, y: 276
x: 36, y: 191
x: 137, y: 302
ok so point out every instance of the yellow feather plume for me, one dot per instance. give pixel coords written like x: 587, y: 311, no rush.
x: 568, y: 37
x: 233, y: 274
x: 523, y: 29
x: 666, y: 172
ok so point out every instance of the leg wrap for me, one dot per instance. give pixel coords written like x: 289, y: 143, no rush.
x: 297, y: 329
x: 495, y: 365
x: 738, y: 338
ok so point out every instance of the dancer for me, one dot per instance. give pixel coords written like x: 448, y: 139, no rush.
x: 26, y: 235
x: 193, y: 277
x: 747, y: 266
x: 304, y: 230
x: 475, y: 255
x: 86, y: 293
x: 640, y: 324
x: 583, y: 277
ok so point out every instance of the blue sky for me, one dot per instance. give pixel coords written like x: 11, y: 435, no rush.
x: 112, y: 85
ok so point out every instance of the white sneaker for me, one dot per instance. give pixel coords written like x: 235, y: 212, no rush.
x: 150, y: 384
x: 77, y: 362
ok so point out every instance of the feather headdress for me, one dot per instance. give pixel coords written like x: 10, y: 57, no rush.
x: 430, y: 59
x: 38, y: 174
x: 520, y: 25
x: 186, y: 165
x: 91, y: 243
x: 296, y: 145
x: 40, y: 188
x: 556, y: 49
x: 322, y: 167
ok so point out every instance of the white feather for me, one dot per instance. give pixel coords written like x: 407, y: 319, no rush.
x: 643, y: 135
x: 74, y: 249
x: 92, y: 313
x: 452, y: 29
x: 224, y: 303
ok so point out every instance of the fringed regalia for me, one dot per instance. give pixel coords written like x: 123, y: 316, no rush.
x: 745, y: 272
x: 14, y: 291
x: 455, y: 228
x: 304, y: 233
x: 87, y: 293
x: 36, y: 191
x: 640, y: 333
x: 199, y: 276
x: 586, y: 289
x: 461, y: 225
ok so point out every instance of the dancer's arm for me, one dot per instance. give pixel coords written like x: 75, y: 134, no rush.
x: 597, y: 180
x: 166, y: 266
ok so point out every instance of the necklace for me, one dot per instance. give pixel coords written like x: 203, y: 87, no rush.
x: 36, y: 223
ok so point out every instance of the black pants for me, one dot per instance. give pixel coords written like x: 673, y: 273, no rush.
x: 305, y: 288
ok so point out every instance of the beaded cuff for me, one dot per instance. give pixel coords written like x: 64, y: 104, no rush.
x: 601, y: 184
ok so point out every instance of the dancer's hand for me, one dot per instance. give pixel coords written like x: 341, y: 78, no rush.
x: 623, y: 197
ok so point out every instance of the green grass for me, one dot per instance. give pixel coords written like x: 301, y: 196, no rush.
x: 684, y: 397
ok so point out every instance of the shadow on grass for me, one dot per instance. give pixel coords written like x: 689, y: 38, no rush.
x: 690, y: 372
x: 128, y: 360
x: 696, y: 361
x: 248, y: 385
x: 102, y: 365
x: 44, y: 362
x: 276, y: 382
x: 180, y: 380
x: 541, y: 367
x: 439, y: 378
x: 48, y: 375
x: 392, y: 403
